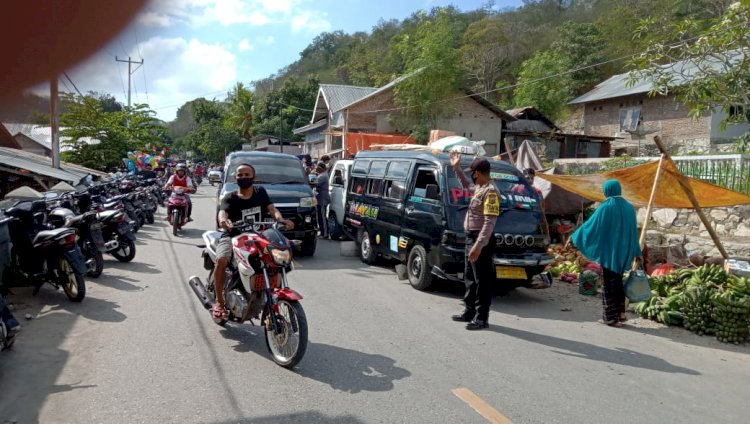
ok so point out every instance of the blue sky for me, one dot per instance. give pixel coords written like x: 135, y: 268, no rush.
x: 201, y: 48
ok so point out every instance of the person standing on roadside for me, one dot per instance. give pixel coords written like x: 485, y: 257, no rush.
x: 610, y: 237
x: 479, y: 224
x: 323, y: 196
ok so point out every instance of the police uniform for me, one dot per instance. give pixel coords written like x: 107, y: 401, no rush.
x: 479, y: 276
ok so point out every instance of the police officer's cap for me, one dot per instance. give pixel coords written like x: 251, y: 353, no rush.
x: 481, y: 165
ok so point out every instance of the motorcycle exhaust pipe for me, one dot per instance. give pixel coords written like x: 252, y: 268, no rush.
x: 200, y: 290
x: 111, y: 245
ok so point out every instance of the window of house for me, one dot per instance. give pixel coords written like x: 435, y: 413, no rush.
x: 582, y: 147
x: 425, y: 177
x: 737, y: 112
x: 395, y: 189
x: 337, y: 142
x: 630, y: 117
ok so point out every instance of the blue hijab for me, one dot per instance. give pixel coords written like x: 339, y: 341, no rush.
x: 610, y: 235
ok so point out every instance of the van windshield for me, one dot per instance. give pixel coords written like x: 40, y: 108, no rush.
x: 515, y: 191
x: 270, y: 170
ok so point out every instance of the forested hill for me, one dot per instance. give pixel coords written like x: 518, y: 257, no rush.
x: 493, y: 49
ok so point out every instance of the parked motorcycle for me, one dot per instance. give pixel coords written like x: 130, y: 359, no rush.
x: 177, y: 208
x: 256, y: 286
x: 9, y: 326
x: 41, y: 256
x: 90, y: 238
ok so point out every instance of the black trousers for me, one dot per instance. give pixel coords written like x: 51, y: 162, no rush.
x: 322, y: 220
x: 479, y: 277
x: 613, y: 296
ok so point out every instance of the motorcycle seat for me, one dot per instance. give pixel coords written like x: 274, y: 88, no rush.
x: 106, y: 215
x: 45, y: 235
x: 212, y: 238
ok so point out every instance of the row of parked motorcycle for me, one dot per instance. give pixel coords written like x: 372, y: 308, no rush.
x: 62, y: 238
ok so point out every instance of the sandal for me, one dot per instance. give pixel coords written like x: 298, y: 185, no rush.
x: 623, y: 317
x: 219, y: 312
x: 613, y: 323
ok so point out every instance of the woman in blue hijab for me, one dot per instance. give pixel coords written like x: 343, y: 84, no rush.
x: 610, y: 237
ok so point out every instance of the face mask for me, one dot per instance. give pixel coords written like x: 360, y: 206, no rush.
x: 245, y: 182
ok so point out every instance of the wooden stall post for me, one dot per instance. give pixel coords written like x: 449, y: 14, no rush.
x: 651, y: 202
x: 689, y: 193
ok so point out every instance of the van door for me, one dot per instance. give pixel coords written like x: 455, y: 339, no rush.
x: 423, y: 209
x: 392, y: 208
x: 338, y: 192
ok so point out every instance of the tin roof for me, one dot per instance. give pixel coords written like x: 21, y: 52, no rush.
x: 42, y: 134
x: 682, y: 71
x: 15, y: 159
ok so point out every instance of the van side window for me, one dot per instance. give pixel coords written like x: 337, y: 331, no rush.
x: 361, y: 167
x: 398, y: 169
x: 374, y: 187
x: 377, y: 169
x: 357, y: 186
x: 395, y: 189
x: 338, y: 175
x: 425, y: 178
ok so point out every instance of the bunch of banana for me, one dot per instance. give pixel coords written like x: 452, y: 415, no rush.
x: 731, y: 314
x: 684, y: 274
x: 707, y: 274
x: 739, y: 286
x: 695, y: 304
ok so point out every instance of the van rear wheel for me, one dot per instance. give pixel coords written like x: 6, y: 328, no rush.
x: 366, y: 251
x: 417, y: 268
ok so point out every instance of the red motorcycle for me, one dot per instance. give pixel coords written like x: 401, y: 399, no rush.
x: 177, y: 208
x: 256, y: 286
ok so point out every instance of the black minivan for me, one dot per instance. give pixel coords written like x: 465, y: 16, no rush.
x: 287, y: 185
x: 410, y: 206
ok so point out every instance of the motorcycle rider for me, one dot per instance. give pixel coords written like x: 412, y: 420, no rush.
x: 181, y: 179
x: 248, y: 200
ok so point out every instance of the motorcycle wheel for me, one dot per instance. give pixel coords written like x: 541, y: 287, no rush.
x: 73, y: 284
x: 150, y: 218
x: 175, y: 221
x: 126, y: 251
x: 99, y: 267
x: 141, y: 220
x: 293, y: 321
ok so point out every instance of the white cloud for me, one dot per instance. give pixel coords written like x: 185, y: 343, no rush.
x: 244, y: 45
x: 162, y: 13
x: 310, y: 20
x: 177, y: 70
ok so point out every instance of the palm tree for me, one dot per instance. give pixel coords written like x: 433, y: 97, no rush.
x: 240, y: 116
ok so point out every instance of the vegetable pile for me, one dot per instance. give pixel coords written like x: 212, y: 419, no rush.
x: 569, y: 263
x: 704, y: 300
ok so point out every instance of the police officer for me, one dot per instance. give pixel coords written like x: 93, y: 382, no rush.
x: 479, y: 273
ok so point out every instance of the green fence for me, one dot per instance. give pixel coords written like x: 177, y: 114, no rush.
x: 730, y: 171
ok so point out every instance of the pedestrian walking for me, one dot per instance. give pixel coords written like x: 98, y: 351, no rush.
x: 323, y: 197
x: 479, y: 224
x: 610, y: 237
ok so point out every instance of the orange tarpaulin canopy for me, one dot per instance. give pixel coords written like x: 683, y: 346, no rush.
x: 637, y: 183
x: 356, y: 142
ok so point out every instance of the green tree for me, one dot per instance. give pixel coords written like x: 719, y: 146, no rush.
x: 544, y: 82
x: 434, y: 75
x: 240, y: 114
x: 285, y: 109
x: 711, y: 70
x: 582, y: 44
x: 117, y: 132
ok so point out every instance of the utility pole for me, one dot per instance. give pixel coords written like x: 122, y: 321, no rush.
x: 54, y: 130
x: 130, y: 72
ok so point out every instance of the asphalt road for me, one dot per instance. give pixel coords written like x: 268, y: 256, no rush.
x: 140, y: 349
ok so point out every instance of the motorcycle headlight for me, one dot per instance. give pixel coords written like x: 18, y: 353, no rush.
x: 307, y: 202
x: 281, y: 257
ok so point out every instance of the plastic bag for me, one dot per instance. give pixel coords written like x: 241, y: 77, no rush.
x: 460, y: 144
x: 587, y: 283
x: 637, y: 287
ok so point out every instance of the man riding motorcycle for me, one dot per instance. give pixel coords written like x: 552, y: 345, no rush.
x: 236, y: 206
x: 181, y: 179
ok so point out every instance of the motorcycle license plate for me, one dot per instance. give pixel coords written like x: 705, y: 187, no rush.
x: 510, y: 272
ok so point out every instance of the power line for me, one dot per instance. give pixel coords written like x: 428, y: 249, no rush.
x: 74, y: 84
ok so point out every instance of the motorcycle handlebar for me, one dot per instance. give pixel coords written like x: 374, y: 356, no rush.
x: 240, y: 225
